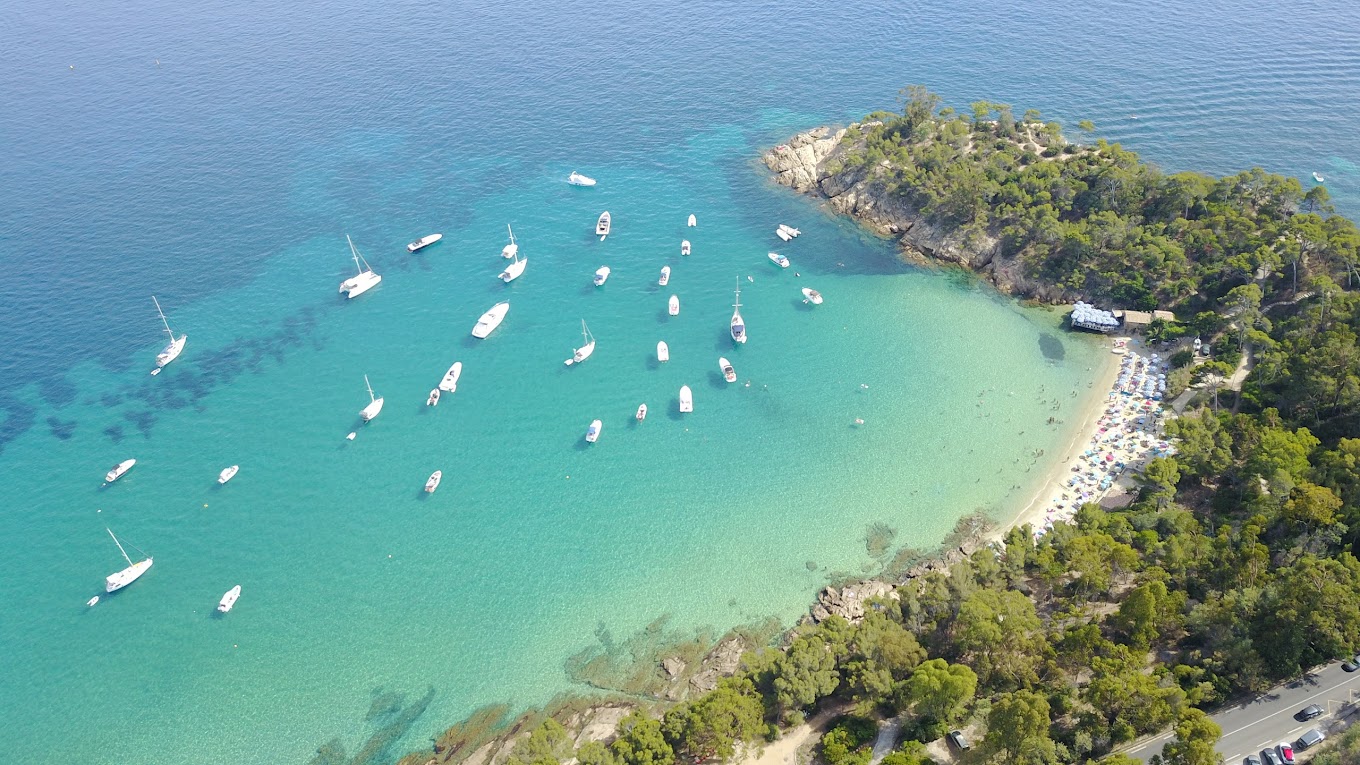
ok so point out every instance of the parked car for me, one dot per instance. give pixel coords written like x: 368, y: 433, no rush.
x: 1270, y: 757
x: 1252, y: 760
x: 1349, y: 665
x: 1310, y: 737
x: 1309, y: 712
x: 957, y: 738
x: 1286, y: 752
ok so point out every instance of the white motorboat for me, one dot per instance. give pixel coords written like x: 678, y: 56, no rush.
x: 121, y: 579
x: 673, y: 305
x: 450, y: 382
x: 374, y: 404
x: 665, y: 276
x: 790, y: 230
x: 1318, y: 177
x: 172, y: 349
x: 118, y: 470
x: 778, y: 260
x: 361, y: 282
x: 593, y: 432
x: 576, y: 179
x: 692, y: 220
x: 602, y: 225
x: 513, y: 270
x: 433, y: 482
x: 663, y: 351
x: 228, y: 473
x: 423, y: 242
x: 229, y: 599
x: 512, y: 249
x: 686, y: 399
x: 490, y: 320
x: 684, y: 247
x: 729, y: 374
x: 601, y: 276
x: 738, y: 323
x: 782, y: 234
x: 92, y: 601
x: 642, y: 412
x: 812, y: 296
x: 433, y: 400
x: 583, y: 353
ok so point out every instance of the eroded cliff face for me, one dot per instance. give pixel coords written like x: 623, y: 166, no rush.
x: 814, y: 163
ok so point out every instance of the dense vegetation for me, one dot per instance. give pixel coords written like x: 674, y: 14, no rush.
x: 1233, y: 570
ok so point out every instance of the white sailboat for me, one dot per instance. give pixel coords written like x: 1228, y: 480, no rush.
x: 513, y: 270
x: 583, y: 353
x: 692, y: 220
x: 174, y: 348
x: 601, y: 276
x: 423, y: 242
x: 729, y: 374
x: 663, y: 351
x: 433, y: 482
x: 121, y: 579
x: 118, y: 470
x: 228, y: 473
x: 602, y: 225
x: 642, y: 412
x: 374, y: 404
x: 738, y: 323
x: 686, y: 399
x: 490, y: 320
x: 593, y: 432
x: 778, y: 260
x: 673, y: 305
x: 229, y: 599
x: 812, y: 296
x: 684, y: 247
x: 361, y: 282
x: 576, y: 179
x: 512, y: 249
x: 450, y: 382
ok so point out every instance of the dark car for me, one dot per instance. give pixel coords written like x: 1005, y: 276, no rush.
x: 1309, y: 712
x: 1269, y: 757
x: 1349, y: 665
x: 1252, y: 760
x: 957, y: 738
x: 1310, y: 737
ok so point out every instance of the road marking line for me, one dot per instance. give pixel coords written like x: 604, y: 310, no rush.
x: 1282, y: 711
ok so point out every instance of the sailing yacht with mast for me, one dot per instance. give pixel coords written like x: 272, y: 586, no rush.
x: 738, y: 323
x: 121, y: 579
x: 513, y: 270
x: 363, y: 281
x: 509, y: 250
x: 583, y: 353
x: 374, y: 404
x: 174, y: 348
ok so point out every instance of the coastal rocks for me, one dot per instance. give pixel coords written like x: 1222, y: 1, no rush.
x: 848, y: 602
x: 797, y: 164
x: 722, y: 661
x: 674, y: 666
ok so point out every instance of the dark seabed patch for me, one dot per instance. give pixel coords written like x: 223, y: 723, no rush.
x: 1051, y: 347
x: 62, y: 429
x: 18, y: 418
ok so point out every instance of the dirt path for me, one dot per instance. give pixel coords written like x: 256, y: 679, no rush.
x: 785, y: 750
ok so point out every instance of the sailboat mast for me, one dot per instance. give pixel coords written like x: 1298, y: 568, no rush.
x: 164, y: 321
x: 120, y: 545
x: 512, y: 233
x: 355, y: 253
x: 370, y: 389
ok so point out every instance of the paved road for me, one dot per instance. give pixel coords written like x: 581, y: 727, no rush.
x: 1269, y: 719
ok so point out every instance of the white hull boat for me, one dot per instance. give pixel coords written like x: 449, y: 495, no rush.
x: 433, y: 400
x: 583, y: 353
x: 686, y: 399
x: 642, y: 413
x: 601, y: 276
x: 121, y: 579
x: 118, y: 470
x: 593, y: 432
x: 92, y: 601
x: 1318, y: 177
x: 782, y: 235
x: 513, y: 270
x: 790, y: 230
x: 228, y: 474
x: 602, y: 225
x: 778, y: 260
x: 729, y: 374
x: 673, y: 305
x: 375, y: 405
x: 172, y: 349
x: 512, y: 249
x: 812, y: 296
x: 361, y: 282
x: 738, y: 324
x: 229, y: 599
x: 576, y: 179
x: 663, y: 351
x: 433, y: 482
x: 490, y: 320
x: 665, y: 276
x: 450, y: 382
x: 684, y: 247
x: 692, y: 220
x: 423, y: 242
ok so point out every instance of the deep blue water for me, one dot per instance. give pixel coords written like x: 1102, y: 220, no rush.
x: 216, y: 154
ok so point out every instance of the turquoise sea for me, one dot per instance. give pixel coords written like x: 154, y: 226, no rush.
x: 216, y: 156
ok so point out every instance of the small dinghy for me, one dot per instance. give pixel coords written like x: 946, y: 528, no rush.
x: 686, y: 399
x: 229, y: 599
x: 450, y: 382
x: 684, y: 246
x: 778, y: 260
x: 783, y: 235
x: 812, y: 296
x: 433, y: 400
x: 1318, y: 177
x: 692, y: 220
x: 663, y: 351
x: 642, y: 413
x: 673, y: 305
x: 665, y: 276
x: 601, y: 276
x: 576, y: 179
x: 119, y: 470
x: 423, y: 242
x: 790, y: 230
x: 92, y: 601
x: 602, y: 225
x: 433, y: 482
x: 351, y: 436
x: 228, y: 474
x: 593, y: 432
x: 729, y: 374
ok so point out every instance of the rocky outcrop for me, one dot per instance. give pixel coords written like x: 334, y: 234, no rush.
x: 814, y: 163
x: 848, y: 602
x: 722, y: 661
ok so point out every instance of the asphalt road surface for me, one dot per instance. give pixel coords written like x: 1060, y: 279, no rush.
x: 1269, y: 718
